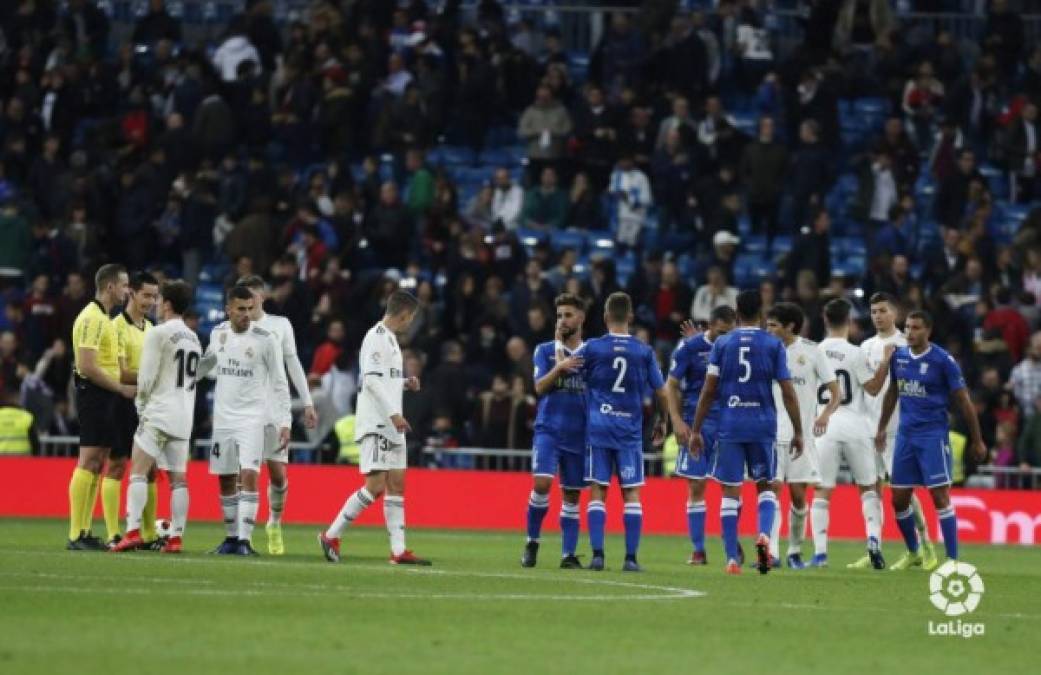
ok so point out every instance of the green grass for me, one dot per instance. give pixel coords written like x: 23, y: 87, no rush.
x: 477, y: 611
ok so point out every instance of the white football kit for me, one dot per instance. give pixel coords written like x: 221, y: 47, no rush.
x: 251, y: 382
x: 280, y: 327
x: 809, y: 370
x: 382, y: 446
x: 874, y: 348
x: 166, y: 393
x: 849, y: 432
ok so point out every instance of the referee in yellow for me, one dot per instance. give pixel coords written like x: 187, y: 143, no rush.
x: 130, y: 326
x: 98, y: 386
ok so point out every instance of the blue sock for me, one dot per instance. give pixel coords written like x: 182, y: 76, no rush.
x: 633, y: 520
x: 905, y: 521
x: 767, y: 512
x: 728, y: 510
x: 568, y: 528
x: 696, y: 524
x: 538, y: 505
x: 949, y: 528
x: 596, y: 518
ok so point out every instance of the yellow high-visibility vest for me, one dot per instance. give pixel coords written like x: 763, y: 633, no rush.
x: 670, y: 452
x: 15, y: 425
x: 350, y: 451
x: 958, y: 443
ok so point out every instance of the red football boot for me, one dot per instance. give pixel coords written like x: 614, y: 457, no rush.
x: 698, y: 558
x: 733, y: 567
x: 330, y: 547
x: 408, y: 558
x: 131, y: 542
x: 172, y: 545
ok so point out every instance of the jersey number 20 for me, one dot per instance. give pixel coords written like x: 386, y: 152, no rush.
x: 845, y: 385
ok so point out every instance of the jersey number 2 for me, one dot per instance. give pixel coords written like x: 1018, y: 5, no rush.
x: 619, y: 364
x: 187, y: 367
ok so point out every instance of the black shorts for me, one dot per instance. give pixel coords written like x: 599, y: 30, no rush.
x: 94, y: 407
x: 124, y: 425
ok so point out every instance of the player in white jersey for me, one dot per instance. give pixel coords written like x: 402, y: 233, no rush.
x: 848, y: 437
x: 878, y: 349
x: 165, y: 406
x: 379, y: 429
x: 247, y: 362
x: 276, y: 457
x: 810, y: 371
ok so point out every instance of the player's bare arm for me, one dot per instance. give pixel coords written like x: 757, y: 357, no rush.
x: 665, y: 411
x: 820, y: 426
x: 875, y: 384
x: 791, y: 405
x: 888, y: 407
x: 968, y: 411
x: 679, y: 427
x: 88, y: 366
x: 705, y: 401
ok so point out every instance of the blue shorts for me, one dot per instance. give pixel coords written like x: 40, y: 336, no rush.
x: 700, y: 468
x: 547, y: 458
x: 733, y: 457
x: 921, y: 460
x: 602, y: 463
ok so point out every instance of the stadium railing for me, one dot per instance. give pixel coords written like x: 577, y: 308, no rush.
x: 68, y: 446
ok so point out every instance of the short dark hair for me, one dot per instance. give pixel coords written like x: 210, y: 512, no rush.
x: 238, y: 292
x: 749, y: 305
x: 882, y: 296
x: 786, y: 313
x: 723, y: 313
x: 401, y: 301
x: 252, y: 282
x: 923, y: 316
x: 570, y: 300
x: 139, y: 279
x: 619, y: 307
x: 108, y: 274
x: 179, y: 294
x: 1003, y: 296
x: 836, y: 312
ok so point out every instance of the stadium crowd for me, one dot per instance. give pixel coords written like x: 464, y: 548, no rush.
x: 374, y: 145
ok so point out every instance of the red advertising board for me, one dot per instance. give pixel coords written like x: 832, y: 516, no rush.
x: 38, y: 487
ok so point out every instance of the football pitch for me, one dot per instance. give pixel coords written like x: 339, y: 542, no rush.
x: 478, y: 611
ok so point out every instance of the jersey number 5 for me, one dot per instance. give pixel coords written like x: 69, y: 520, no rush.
x: 619, y: 364
x: 746, y: 365
x: 187, y: 367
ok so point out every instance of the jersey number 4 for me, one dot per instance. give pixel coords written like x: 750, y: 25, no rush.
x: 187, y: 367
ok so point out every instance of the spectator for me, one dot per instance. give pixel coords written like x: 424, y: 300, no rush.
x: 546, y: 206
x: 1013, y: 327
x: 1025, y: 379
x: 583, y: 206
x: 390, y: 227
x: 616, y: 59
x: 14, y: 239
x: 1028, y: 448
x: 498, y: 416
x: 327, y: 353
x: 1003, y: 36
x: 235, y: 51
x: 811, y: 251
x: 811, y: 172
x: 544, y: 126
x: 944, y: 261
x: 893, y: 238
x: 714, y: 293
x: 921, y: 102
x: 596, y: 133
x: 670, y: 302
x: 85, y: 27
x: 631, y: 192
x: 420, y: 185
x: 156, y: 25
x: 902, y: 151
x: 763, y: 166
x: 680, y: 121
x: 860, y: 23
x: 953, y: 193
x: 507, y: 200
x: 1023, y: 153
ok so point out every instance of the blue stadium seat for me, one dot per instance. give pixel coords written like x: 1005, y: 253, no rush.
x: 573, y: 239
x: 496, y: 157
x: 600, y: 242
x: 451, y: 154
x: 530, y: 237
x: 754, y: 243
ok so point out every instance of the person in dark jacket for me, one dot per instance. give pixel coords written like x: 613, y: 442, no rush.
x: 596, y: 130
x: 763, y: 166
x: 811, y: 251
x: 811, y: 172
x: 156, y: 25
x: 953, y: 194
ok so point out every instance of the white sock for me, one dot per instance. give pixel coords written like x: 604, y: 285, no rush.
x: 276, y: 502
x: 919, y: 519
x: 820, y: 517
x: 796, y: 529
x: 137, y: 496
x: 775, y: 533
x: 394, y: 515
x: 871, y: 506
x: 178, y: 507
x: 352, y: 508
x: 229, y: 506
x: 249, y: 502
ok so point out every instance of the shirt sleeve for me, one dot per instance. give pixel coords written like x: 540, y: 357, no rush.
x: 541, y: 361
x: 148, y: 369
x: 288, y: 340
x: 678, y: 365
x: 861, y: 368
x: 93, y: 329
x: 781, y: 363
x: 121, y: 338
x: 654, y: 377
x: 715, y: 359
x: 825, y: 373
x: 955, y: 379
x: 374, y: 362
x: 280, y: 384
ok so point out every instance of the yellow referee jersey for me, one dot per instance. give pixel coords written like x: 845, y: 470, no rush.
x: 130, y: 338
x: 94, y: 330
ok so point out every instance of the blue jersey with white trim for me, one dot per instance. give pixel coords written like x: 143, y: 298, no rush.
x: 618, y: 371
x: 925, y: 383
x: 747, y: 362
x: 689, y: 365
x: 561, y: 413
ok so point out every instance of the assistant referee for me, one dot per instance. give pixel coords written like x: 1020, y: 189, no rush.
x: 96, y: 358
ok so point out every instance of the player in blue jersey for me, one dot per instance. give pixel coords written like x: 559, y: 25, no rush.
x: 618, y: 369
x: 686, y: 377
x: 560, y: 432
x: 742, y: 368
x: 924, y: 379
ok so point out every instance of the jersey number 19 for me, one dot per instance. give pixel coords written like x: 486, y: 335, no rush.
x: 187, y: 367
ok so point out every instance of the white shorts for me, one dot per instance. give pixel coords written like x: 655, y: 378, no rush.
x: 804, y: 469
x: 884, y: 460
x: 235, y: 450
x: 379, y: 454
x: 859, y: 455
x: 170, y: 454
x: 272, y: 453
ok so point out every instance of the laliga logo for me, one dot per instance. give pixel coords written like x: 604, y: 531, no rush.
x: 955, y: 588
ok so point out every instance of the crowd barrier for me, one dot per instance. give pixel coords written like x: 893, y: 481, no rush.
x: 38, y: 487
